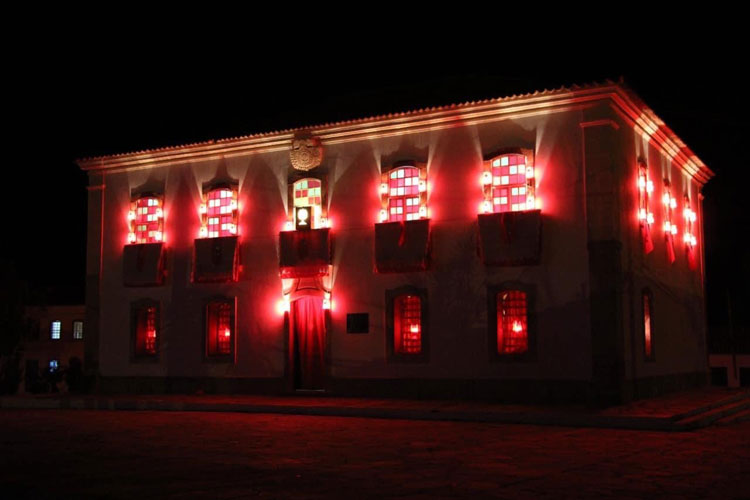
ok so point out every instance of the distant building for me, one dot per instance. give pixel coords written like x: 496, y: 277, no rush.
x: 546, y: 246
x: 55, y: 334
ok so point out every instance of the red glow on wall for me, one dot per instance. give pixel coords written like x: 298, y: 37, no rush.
x: 407, y: 324
x: 219, y: 326
x: 146, y: 333
x: 512, y: 322
x: 146, y: 219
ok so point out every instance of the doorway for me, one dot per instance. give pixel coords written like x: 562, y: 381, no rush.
x: 308, y: 339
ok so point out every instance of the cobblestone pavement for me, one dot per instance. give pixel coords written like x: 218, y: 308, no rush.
x: 77, y: 453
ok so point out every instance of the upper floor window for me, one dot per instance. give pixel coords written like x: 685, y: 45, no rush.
x: 78, y: 330
x: 146, y: 218
x: 509, y: 183
x: 689, y: 237
x: 307, y: 200
x: 145, y: 317
x: 219, y: 327
x: 512, y: 322
x: 403, y: 192
x: 54, y: 331
x: 645, y: 216
x: 670, y: 227
x: 219, y: 213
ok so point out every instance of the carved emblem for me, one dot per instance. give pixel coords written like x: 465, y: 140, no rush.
x: 306, y: 154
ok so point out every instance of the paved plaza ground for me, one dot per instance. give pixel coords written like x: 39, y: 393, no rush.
x: 147, y: 454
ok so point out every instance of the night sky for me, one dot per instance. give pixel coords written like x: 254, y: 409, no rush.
x: 71, y: 106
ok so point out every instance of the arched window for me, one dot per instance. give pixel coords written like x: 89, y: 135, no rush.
x: 146, y: 218
x: 219, y: 214
x: 403, y: 192
x: 220, y: 314
x: 509, y: 185
x: 512, y: 322
x: 308, y: 206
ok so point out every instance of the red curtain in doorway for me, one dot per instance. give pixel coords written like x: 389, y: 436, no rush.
x: 308, y: 321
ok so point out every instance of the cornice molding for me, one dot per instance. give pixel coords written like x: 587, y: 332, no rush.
x: 624, y: 101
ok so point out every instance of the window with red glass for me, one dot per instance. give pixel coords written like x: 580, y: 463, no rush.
x: 670, y: 227
x: 645, y: 216
x: 689, y: 237
x: 146, y: 319
x: 219, y: 213
x: 220, y: 327
x: 407, y: 324
x: 146, y: 218
x: 648, y: 313
x: 509, y: 183
x: 512, y: 322
x: 403, y: 193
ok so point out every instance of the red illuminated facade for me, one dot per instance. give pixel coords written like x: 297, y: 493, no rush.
x: 495, y: 249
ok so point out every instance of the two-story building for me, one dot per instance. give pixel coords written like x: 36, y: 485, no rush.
x: 546, y: 246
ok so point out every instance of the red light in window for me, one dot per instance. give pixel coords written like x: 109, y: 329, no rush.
x: 146, y: 331
x: 407, y: 324
x: 405, y: 197
x: 645, y: 217
x: 647, y: 325
x: 512, y: 325
x: 219, y: 213
x: 147, y: 220
x: 219, y: 328
x: 509, y: 184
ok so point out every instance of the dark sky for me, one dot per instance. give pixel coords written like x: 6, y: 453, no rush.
x: 73, y: 103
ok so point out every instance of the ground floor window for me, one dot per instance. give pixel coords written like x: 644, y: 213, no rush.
x: 220, y: 315
x: 648, y: 347
x: 511, y: 321
x: 406, y: 323
x: 146, y: 329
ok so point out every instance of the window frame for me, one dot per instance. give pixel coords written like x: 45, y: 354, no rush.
x: 390, y: 299
x: 530, y: 355
x: 135, y: 307
x: 52, y: 329
x: 133, y: 219
x: 73, y: 328
x: 204, y: 209
x: 385, y: 197
x: 648, y: 357
x: 220, y: 358
x: 529, y: 182
x: 297, y: 176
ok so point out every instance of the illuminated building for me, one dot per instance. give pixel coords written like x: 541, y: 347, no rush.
x: 546, y: 246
